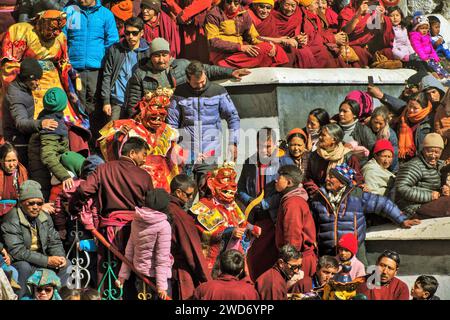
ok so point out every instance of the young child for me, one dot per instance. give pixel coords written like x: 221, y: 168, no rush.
x: 149, y: 244
x: 421, y: 42
x: 439, y: 44
x: 347, y: 249
x: 402, y: 48
x: 425, y: 288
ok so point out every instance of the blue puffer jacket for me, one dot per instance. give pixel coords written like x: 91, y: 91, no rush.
x: 350, y: 216
x: 90, y: 32
x: 195, y: 113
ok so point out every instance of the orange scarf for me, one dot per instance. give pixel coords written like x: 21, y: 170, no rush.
x: 406, y: 146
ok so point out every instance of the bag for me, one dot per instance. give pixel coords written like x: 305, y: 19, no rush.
x: 382, y: 62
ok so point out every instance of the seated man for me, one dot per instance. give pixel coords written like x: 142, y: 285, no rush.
x: 418, y: 182
x: 386, y: 286
x: 31, y: 239
x: 273, y: 284
x: 230, y: 285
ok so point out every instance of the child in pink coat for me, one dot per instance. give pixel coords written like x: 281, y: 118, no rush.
x: 347, y: 249
x: 421, y: 43
x: 149, y: 244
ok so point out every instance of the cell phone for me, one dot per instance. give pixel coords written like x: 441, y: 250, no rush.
x: 370, y: 80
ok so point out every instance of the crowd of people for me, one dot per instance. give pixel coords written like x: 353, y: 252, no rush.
x: 112, y: 126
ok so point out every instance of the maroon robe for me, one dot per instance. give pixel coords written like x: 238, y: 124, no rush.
x: 190, y: 268
x: 271, y: 285
x: 226, y: 287
x: 304, y: 285
x: 395, y: 290
x: 166, y: 28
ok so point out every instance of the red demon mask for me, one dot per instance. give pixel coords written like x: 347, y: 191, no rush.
x: 153, y: 108
x: 49, y: 23
x: 222, y: 183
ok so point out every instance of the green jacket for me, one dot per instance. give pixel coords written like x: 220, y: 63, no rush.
x: 16, y: 233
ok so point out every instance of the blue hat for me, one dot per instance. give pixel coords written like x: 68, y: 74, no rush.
x: 344, y: 173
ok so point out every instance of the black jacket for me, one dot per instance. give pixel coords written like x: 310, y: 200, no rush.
x: 144, y: 80
x: 18, y: 114
x: 16, y: 233
x: 113, y: 64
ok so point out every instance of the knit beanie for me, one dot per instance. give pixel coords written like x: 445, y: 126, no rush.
x: 271, y: 2
x: 90, y: 164
x: 30, y: 69
x: 55, y: 100
x: 157, y: 199
x: 420, y: 20
x: 151, y: 4
x: 348, y: 241
x: 73, y: 162
x: 364, y: 100
x: 295, y: 131
x: 433, y: 140
x: 30, y: 189
x: 382, y: 145
x: 304, y: 3
x: 344, y: 173
x: 123, y: 10
x: 159, y: 44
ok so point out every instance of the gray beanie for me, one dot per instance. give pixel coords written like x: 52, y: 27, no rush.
x: 30, y: 189
x: 159, y: 44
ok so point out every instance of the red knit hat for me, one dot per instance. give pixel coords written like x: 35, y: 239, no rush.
x: 382, y: 145
x: 299, y: 131
x: 348, y: 241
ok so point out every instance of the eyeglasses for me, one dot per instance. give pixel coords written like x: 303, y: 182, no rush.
x: 236, y: 2
x: 264, y: 6
x: 134, y: 33
x: 33, y: 203
x: 294, y: 267
x: 47, y: 289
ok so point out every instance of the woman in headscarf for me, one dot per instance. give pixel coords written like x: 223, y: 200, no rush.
x: 43, y: 284
x: 330, y: 152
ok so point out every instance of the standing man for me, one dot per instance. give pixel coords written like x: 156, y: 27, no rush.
x: 121, y: 60
x: 386, y: 286
x: 90, y: 30
x: 197, y: 108
x: 163, y: 71
x: 190, y: 268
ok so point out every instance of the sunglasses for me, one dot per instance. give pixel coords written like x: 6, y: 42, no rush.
x: 294, y: 267
x: 134, y: 33
x: 264, y: 6
x: 46, y: 289
x: 236, y: 2
x: 33, y: 203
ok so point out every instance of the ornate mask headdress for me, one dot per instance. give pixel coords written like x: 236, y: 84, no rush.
x: 49, y: 23
x: 222, y: 182
x: 153, y: 107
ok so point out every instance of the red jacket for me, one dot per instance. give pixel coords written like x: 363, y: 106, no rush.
x: 271, y: 285
x: 226, y: 287
x: 22, y: 176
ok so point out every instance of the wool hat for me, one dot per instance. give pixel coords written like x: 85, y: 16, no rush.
x: 420, y: 20
x: 433, y: 140
x: 73, y: 162
x: 157, y: 199
x: 344, y: 173
x: 295, y: 131
x: 382, y: 145
x: 348, y: 241
x: 55, y: 100
x: 364, y: 100
x: 30, y: 69
x: 159, y: 44
x: 304, y: 3
x: 123, y: 10
x: 152, y: 4
x: 271, y: 2
x: 30, y: 189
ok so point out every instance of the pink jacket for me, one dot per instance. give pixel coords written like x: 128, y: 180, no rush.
x: 423, y: 46
x: 358, y: 269
x: 149, y: 246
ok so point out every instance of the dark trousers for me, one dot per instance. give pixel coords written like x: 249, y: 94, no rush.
x: 26, y: 269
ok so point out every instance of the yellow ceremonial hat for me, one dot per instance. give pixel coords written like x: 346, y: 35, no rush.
x: 271, y: 2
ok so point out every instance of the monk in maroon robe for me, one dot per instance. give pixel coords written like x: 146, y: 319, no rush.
x: 384, y: 282
x: 190, y: 268
x: 365, y: 36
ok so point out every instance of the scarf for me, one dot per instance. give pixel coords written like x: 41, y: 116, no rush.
x: 384, y: 134
x: 406, y: 146
x: 335, y: 199
x: 348, y: 130
x: 335, y: 156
